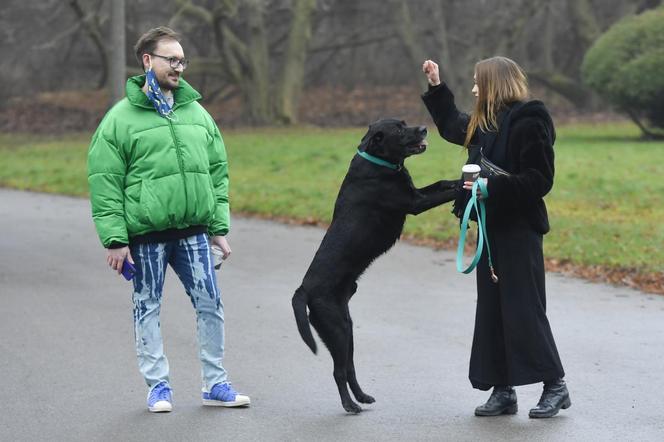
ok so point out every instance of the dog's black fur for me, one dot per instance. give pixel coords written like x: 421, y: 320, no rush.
x: 368, y: 218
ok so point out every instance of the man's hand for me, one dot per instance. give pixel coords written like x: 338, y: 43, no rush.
x: 116, y: 258
x: 430, y: 69
x: 222, y: 243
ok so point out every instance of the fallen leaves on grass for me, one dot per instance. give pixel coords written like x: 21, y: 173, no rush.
x: 646, y: 282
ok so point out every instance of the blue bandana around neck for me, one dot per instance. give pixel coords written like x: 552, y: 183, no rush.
x: 156, y: 96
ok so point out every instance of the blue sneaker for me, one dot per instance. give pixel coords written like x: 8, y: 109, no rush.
x: 223, y: 395
x: 159, y: 398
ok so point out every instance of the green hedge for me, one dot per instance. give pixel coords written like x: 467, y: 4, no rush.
x: 626, y: 66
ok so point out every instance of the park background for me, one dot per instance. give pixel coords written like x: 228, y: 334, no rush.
x: 293, y: 84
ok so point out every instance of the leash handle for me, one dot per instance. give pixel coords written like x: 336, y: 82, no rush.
x: 480, y: 209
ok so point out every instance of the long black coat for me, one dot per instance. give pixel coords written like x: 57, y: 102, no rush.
x: 512, y: 343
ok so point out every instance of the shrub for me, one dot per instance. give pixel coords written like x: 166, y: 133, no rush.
x: 626, y: 67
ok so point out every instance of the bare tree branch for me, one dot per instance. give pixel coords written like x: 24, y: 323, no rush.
x: 91, y: 25
x: 187, y: 8
x: 56, y: 40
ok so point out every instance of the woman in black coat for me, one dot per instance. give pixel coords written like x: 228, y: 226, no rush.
x: 512, y: 343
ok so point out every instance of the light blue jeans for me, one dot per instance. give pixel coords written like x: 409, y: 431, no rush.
x: 191, y: 260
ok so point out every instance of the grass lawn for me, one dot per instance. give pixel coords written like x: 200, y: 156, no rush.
x: 606, y: 207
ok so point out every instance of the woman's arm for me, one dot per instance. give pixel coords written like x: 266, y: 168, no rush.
x: 439, y: 101
x: 451, y: 123
x: 535, y: 157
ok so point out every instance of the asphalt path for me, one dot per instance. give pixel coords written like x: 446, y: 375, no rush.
x: 68, y: 369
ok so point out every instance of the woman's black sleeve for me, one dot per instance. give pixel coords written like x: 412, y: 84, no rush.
x: 451, y: 123
x: 534, y: 178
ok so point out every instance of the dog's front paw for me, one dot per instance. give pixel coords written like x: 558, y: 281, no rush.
x: 352, y: 407
x: 449, y: 184
x: 365, y: 399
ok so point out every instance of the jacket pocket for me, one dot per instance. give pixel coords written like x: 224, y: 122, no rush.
x: 134, y: 213
x: 163, y: 202
x: 200, y: 199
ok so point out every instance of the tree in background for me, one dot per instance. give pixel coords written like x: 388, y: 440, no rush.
x: 626, y: 66
x: 267, y: 52
x: 246, y: 48
x: 117, y: 68
x: 550, y: 38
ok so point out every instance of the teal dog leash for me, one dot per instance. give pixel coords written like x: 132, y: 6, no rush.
x: 480, y: 209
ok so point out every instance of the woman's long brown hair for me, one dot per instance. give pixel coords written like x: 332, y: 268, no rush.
x: 500, y: 81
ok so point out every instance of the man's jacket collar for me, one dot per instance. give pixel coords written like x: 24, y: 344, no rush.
x: 184, y: 94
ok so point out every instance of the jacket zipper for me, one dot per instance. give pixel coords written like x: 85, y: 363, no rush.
x: 178, y: 152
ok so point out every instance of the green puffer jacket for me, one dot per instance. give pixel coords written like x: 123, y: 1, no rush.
x: 147, y: 173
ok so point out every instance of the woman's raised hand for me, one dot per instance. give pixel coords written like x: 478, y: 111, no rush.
x: 430, y: 69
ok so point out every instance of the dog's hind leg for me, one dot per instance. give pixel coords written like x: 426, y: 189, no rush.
x: 341, y: 369
x: 350, y: 373
x: 334, y: 331
x: 352, y: 379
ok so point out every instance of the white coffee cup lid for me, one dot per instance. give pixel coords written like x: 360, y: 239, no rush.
x: 471, y: 168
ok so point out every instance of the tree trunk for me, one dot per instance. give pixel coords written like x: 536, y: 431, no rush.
x: 548, y: 40
x: 448, y: 63
x: 246, y: 64
x: 95, y: 35
x: 117, y: 66
x: 404, y: 23
x: 569, y: 88
x: 585, y: 27
x: 584, y: 22
x: 647, y: 133
x: 255, y: 85
x: 292, y: 76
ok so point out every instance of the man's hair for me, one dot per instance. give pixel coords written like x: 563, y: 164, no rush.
x: 148, y: 41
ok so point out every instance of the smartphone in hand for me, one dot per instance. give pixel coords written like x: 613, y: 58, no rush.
x: 128, y: 270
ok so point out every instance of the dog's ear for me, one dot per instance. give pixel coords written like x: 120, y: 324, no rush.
x: 366, y: 140
x: 373, y: 143
x: 371, y: 138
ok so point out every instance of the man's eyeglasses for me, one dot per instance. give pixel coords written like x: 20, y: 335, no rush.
x: 174, y: 61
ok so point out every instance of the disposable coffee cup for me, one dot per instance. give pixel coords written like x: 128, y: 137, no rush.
x: 471, y: 172
x: 217, y: 257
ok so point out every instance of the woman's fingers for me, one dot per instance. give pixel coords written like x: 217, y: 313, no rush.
x: 430, y: 69
x: 430, y: 66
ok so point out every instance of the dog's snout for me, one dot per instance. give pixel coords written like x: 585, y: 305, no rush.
x: 422, y: 130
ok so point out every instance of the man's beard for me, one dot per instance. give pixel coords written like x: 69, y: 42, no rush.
x: 165, y: 83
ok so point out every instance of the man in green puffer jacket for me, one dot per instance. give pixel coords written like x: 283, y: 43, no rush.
x: 158, y: 179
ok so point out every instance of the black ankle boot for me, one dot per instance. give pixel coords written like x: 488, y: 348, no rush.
x: 501, y: 401
x: 554, y: 397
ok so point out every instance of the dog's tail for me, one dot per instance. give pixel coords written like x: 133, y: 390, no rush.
x: 300, y: 301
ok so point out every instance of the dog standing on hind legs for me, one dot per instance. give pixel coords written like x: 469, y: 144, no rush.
x: 371, y: 207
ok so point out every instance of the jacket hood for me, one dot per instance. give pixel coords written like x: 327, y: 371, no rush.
x: 183, y: 94
x: 535, y: 109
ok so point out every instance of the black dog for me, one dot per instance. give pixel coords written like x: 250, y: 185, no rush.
x: 375, y: 197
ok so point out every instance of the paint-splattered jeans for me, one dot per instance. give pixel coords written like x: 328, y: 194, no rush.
x: 191, y: 260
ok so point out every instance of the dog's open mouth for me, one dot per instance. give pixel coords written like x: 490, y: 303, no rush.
x: 418, y: 148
